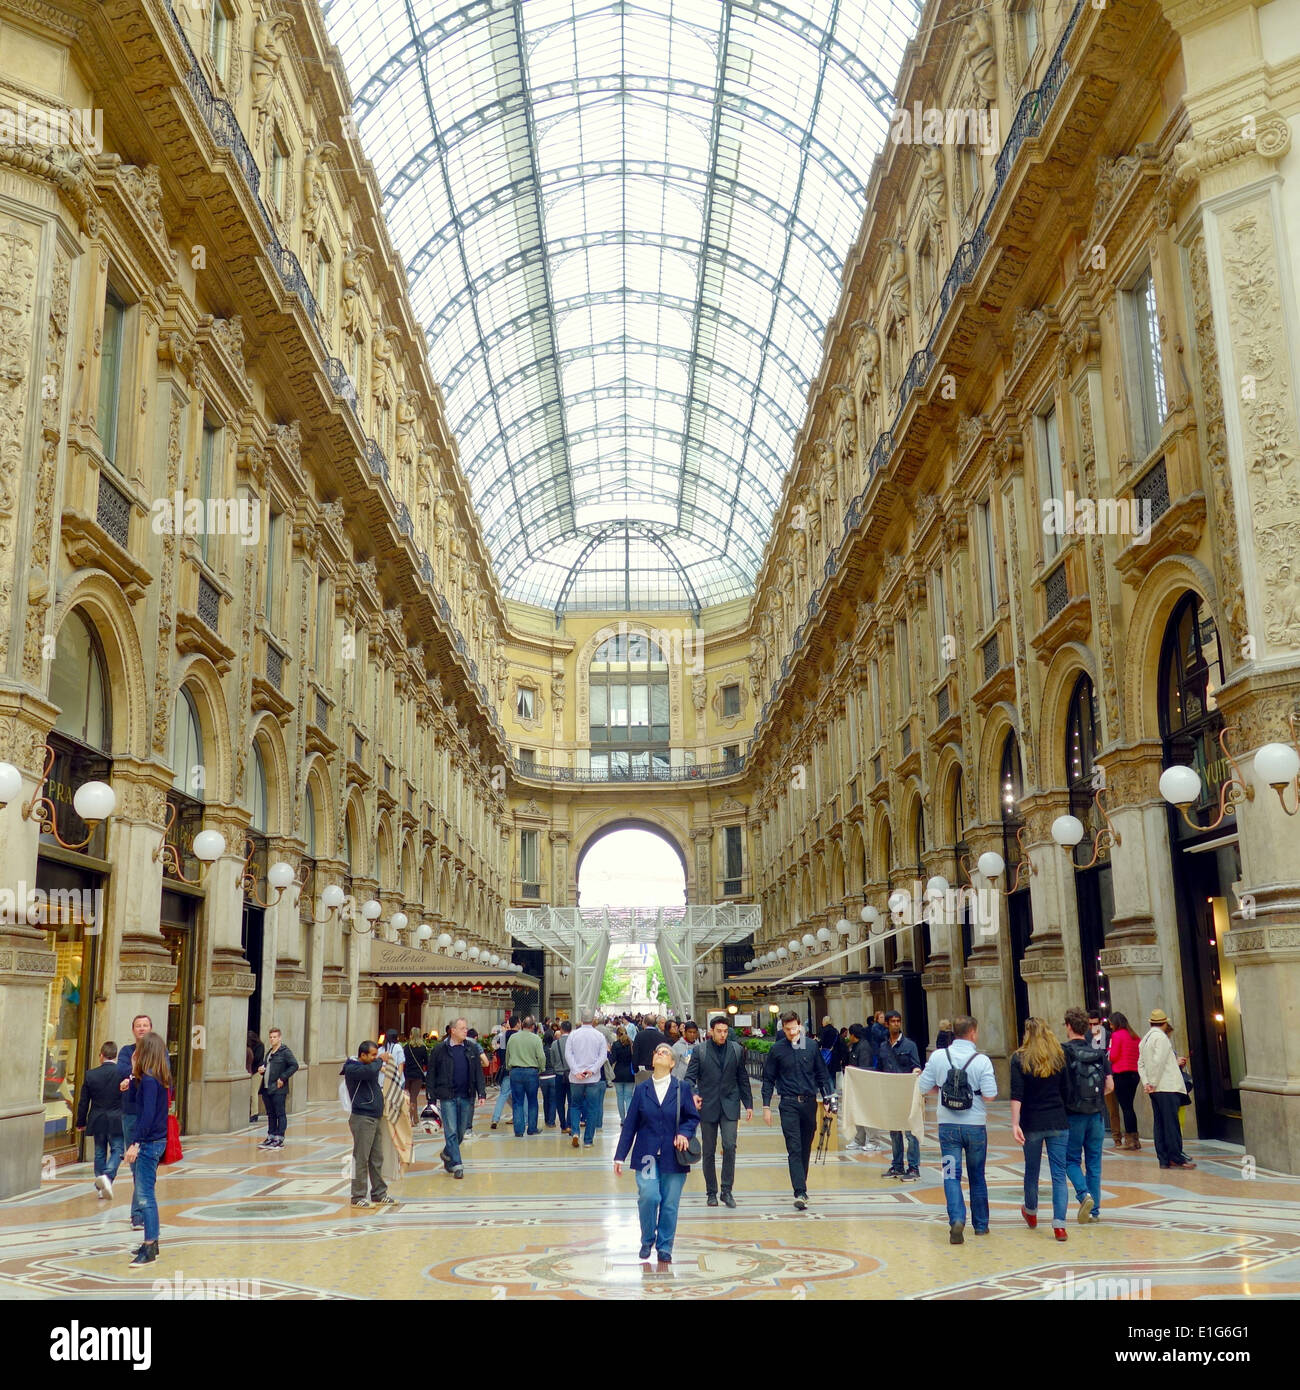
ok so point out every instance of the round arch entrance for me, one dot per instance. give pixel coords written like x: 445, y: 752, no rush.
x: 636, y: 898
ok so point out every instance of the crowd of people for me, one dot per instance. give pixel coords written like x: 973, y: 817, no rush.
x: 678, y: 1094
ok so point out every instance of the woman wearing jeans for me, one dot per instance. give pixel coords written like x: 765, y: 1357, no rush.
x: 660, y: 1121
x: 1038, y: 1118
x: 1124, y: 1064
x: 151, y: 1079
x: 620, y: 1056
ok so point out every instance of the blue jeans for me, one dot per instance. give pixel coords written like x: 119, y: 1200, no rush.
x: 523, y: 1098
x: 276, y: 1121
x: 108, y: 1155
x: 1055, y: 1140
x: 502, y: 1092
x: 583, y: 1099
x: 548, y: 1100
x: 128, y: 1130
x: 913, y: 1150
x: 144, y: 1203
x: 623, y: 1094
x: 562, y: 1099
x: 601, y: 1087
x: 657, y: 1199
x: 1086, y: 1135
x: 972, y: 1141
x: 456, y: 1114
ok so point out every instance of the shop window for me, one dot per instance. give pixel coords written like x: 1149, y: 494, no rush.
x: 1191, y: 673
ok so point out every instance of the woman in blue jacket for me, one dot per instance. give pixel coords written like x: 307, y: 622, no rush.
x: 151, y: 1080
x: 660, y: 1121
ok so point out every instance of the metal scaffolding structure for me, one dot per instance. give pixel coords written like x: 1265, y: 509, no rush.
x: 682, y: 936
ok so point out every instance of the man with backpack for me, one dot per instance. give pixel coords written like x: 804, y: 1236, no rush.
x: 1088, y: 1081
x: 964, y: 1078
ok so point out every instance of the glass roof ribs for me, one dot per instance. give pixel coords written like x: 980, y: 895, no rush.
x: 624, y: 224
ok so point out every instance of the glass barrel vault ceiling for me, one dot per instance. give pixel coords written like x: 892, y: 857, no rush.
x: 624, y: 223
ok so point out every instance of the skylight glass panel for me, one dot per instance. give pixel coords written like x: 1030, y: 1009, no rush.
x: 625, y: 252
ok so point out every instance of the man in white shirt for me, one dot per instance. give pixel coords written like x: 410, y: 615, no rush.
x: 963, y: 1132
x: 586, y: 1053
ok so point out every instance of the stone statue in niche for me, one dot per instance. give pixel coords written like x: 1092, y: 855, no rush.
x: 933, y: 191
x: 265, y: 67
x: 406, y: 442
x: 557, y: 692
x: 353, y: 269
x: 698, y: 693
x: 898, y: 278
x: 980, y: 51
x: 313, y: 185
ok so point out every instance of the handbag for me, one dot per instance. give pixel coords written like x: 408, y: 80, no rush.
x: 173, y: 1152
x: 694, y: 1149
x: 1186, y: 1097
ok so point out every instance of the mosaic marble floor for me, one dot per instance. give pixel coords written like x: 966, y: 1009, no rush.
x: 535, y: 1218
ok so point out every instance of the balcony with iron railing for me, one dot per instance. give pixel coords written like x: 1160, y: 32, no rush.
x: 706, y: 772
x: 1029, y: 121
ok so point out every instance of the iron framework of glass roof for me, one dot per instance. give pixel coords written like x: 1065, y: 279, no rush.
x: 624, y: 224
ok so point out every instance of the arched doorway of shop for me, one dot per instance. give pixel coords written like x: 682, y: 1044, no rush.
x: 632, y: 864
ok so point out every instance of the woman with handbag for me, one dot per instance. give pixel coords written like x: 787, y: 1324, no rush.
x: 151, y: 1080
x: 660, y: 1133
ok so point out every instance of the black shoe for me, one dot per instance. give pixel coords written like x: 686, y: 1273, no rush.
x: 728, y: 1200
x: 385, y: 1201
x: 492, y: 1126
x: 801, y: 1201
x: 712, y: 1200
x: 145, y: 1255
x: 458, y: 1172
x: 645, y: 1253
x: 267, y: 1143
x: 912, y: 1175
x: 956, y: 1233
x: 360, y: 1201
x: 665, y: 1259
x: 892, y: 1173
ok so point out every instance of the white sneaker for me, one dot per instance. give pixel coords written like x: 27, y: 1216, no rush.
x: 853, y: 1148
x: 105, y: 1185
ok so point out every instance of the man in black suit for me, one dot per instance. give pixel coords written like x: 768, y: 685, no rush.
x: 643, y: 1048
x: 100, y: 1110
x: 718, y: 1079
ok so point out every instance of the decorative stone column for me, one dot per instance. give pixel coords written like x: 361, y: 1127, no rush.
x: 942, y: 971
x: 219, y: 1097
x: 327, y: 1002
x: 285, y: 986
x: 26, y: 967
x: 989, y: 967
x: 1263, y: 944
x: 1053, y: 986
x: 137, y: 960
x: 1141, y: 957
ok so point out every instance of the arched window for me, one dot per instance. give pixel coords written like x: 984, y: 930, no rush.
x: 629, y: 707
x: 257, y: 793
x: 79, y: 685
x: 1010, y: 790
x: 309, y: 822
x: 188, y: 772
x: 1080, y: 756
x: 918, y: 839
x: 1191, y: 673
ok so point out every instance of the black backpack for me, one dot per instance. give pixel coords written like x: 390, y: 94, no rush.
x: 955, y: 1093
x: 1085, y: 1079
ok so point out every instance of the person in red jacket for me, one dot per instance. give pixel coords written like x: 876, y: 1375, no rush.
x: 1124, y: 1064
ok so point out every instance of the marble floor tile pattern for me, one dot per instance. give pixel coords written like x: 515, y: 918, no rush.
x: 535, y: 1218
